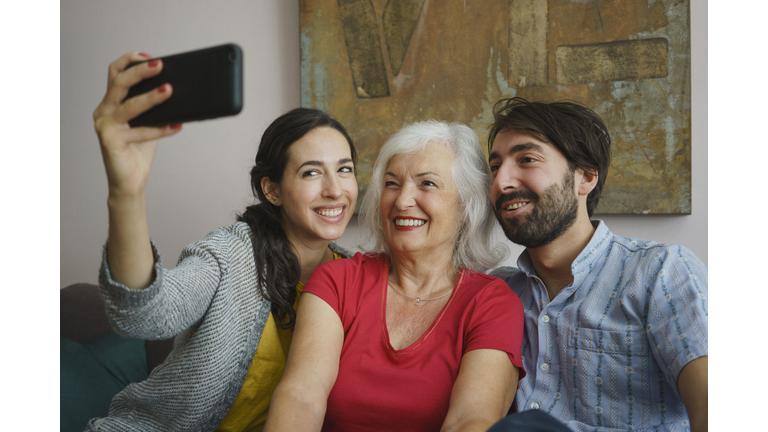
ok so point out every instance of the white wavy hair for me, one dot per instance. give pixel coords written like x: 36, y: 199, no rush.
x: 473, y: 249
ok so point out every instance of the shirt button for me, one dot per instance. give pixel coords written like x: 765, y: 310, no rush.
x: 544, y: 367
x: 534, y: 406
x: 545, y: 318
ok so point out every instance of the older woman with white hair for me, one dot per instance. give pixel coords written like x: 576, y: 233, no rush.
x: 411, y: 336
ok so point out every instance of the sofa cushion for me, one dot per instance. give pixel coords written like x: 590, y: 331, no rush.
x: 91, y: 373
x: 82, y: 315
x: 83, y: 318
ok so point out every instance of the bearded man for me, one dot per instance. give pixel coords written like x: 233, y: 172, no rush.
x: 615, y: 327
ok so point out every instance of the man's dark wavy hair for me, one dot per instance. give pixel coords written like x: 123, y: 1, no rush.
x: 577, y: 131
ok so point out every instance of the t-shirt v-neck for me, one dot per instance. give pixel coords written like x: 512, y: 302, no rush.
x: 435, y: 323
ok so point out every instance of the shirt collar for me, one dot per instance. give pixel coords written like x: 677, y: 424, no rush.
x: 597, y: 244
x: 594, y: 249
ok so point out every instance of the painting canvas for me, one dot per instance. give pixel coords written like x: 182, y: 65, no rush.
x: 377, y: 65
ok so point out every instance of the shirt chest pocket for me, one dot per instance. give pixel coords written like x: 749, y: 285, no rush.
x: 628, y: 342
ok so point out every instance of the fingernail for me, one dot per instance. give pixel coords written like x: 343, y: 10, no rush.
x: 176, y: 126
x: 163, y: 88
x: 145, y: 55
x: 154, y: 63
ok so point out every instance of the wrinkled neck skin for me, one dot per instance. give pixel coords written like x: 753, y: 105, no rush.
x: 423, y: 274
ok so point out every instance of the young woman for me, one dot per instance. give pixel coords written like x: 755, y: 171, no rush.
x: 231, y: 300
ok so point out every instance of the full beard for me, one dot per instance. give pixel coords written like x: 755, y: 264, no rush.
x: 553, y: 214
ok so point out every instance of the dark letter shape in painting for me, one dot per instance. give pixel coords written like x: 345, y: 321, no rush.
x: 364, y: 48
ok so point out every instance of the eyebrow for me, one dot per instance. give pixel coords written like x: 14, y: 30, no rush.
x: 320, y: 163
x: 424, y: 174
x: 517, y: 149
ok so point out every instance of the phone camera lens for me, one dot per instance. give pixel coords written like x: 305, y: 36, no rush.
x: 232, y: 56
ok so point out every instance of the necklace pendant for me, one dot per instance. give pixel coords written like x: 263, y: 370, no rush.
x: 417, y: 301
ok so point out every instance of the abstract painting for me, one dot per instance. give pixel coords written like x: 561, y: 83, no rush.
x: 377, y: 65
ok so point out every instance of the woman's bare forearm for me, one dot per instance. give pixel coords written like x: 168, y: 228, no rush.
x: 129, y: 252
x: 300, y: 400
x: 290, y: 410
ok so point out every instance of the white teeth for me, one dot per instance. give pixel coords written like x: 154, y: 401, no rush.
x: 516, y: 206
x: 409, y: 222
x: 329, y: 213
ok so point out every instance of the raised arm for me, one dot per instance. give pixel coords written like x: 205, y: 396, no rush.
x: 693, y: 386
x: 483, y: 391
x: 299, y: 401
x: 128, y: 153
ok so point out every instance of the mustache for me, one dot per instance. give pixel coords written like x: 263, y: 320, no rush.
x: 517, y: 195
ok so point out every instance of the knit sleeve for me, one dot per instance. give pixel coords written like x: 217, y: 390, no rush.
x: 175, y: 300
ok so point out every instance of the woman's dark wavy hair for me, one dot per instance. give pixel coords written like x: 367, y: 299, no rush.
x: 577, y: 131
x: 277, y: 266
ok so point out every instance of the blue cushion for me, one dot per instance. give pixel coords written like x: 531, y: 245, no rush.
x: 93, y: 372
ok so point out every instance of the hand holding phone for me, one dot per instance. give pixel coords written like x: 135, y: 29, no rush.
x: 207, y: 84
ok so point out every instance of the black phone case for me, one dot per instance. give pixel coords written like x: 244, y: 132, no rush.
x: 207, y: 83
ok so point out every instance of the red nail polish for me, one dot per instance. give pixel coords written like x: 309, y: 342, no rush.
x: 154, y: 63
x: 176, y: 126
x: 145, y: 55
x: 163, y: 88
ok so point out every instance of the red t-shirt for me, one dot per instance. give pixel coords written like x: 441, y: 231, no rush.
x: 380, y: 388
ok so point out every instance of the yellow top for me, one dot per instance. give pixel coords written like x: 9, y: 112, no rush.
x: 249, y: 412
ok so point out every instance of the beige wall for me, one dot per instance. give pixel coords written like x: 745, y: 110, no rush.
x: 200, y: 179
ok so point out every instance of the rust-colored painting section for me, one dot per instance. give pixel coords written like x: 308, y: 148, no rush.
x: 612, y: 61
x: 528, y: 29
x: 377, y: 65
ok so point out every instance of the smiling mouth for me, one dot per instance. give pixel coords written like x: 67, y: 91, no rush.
x: 409, y: 222
x: 329, y: 213
x: 516, y: 206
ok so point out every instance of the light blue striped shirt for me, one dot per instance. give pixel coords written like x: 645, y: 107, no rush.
x: 605, y: 354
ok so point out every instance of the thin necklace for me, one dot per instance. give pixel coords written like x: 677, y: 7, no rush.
x: 417, y: 300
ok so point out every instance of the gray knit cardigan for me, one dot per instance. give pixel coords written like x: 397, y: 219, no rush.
x: 211, y: 301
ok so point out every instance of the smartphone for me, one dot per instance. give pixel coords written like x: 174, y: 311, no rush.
x: 207, y: 83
